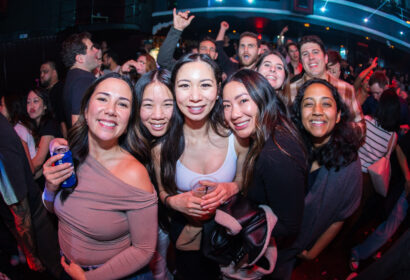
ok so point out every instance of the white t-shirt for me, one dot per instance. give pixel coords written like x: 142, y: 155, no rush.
x: 26, y: 136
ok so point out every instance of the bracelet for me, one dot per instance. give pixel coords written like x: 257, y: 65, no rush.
x: 48, y: 195
x: 165, y: 200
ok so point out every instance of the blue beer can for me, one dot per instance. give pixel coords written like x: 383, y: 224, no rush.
x: 68, y: 157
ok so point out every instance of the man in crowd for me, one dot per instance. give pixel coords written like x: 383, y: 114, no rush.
x: 248, y: 51
x: 21, y: 209
x: 378, y: 83
x: 49, y: 80
x: 314, y: 60
x: 78, y: 54
x: 181, y: 21
x: 110, y: 61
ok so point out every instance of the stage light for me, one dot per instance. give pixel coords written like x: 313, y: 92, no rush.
x: 323, y: 9
x: 327, y: 27
x: 401, y: 32
x: 306, y: 24
x: 408, y: 22
x: 365, y: 19
x: 250, y: 1
x: 209, y: 31
x: 367, y: 38
x: 218, y: 1
x: 234, y: 31
x: 260, y: 36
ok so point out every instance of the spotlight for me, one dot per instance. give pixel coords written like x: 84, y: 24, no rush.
x: 250, y: 1
x: 218, y: 0
x: 365, y: 19
x: 323, y: 9
x: 327, y: 27
x: 401, y: 32
x: 306, y: 24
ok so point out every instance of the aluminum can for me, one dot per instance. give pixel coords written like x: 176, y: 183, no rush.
x: 68, y: 157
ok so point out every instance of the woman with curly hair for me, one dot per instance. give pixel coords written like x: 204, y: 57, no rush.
x: 335, y: 179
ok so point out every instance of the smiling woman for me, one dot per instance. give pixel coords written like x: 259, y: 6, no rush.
x: 274, y: 170
x: 100, y: 219
x: 335, y: 179
x: 198, y: 146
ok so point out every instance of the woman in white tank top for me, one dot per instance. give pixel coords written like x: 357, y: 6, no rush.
x: 197, y: 146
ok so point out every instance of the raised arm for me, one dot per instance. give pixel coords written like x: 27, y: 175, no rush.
x: 166, y: 53
x: 281, y: 40
x: 364, y: 73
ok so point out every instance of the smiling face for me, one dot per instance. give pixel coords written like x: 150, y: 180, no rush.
x: 273, y: 70
x: 314, y: 60
x: 35, y: 106
x: 109, y: 110
x: 240, y: 111
x: 156, y: 108
x: 248, y: 51
x: 196, y: 90
x: 319, y: 113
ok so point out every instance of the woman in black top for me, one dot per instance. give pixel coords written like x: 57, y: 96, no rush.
x: 274, y: 172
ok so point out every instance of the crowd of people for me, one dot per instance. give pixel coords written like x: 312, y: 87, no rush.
x: 289, y: 127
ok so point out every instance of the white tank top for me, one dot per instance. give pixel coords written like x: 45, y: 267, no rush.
x: 226, y: 173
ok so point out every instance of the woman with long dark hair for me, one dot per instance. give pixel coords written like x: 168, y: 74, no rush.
x: 44, y: 127
x: 274, y: 171
x: 108, y: 222
x: 198, y: 145
x: 155, y: 104
x: 335, y: 180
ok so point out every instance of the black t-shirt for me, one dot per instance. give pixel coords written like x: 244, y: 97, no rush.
x: 279, y: 181
x: 50, y: 127
x: 76, y: 84
x: 56, y: 101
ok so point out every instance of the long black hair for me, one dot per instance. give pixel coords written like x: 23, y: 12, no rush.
x: 45, y: 117
x: 78, y: 134
x: 174, y: 144
x: 341, y: 149
x: 273, y: 116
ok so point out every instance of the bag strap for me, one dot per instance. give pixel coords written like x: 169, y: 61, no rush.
x: 392, y: 144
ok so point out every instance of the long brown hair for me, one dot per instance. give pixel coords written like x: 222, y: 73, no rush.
x: 273, y: 116
x: 78, y: 134
x: 284, y: 92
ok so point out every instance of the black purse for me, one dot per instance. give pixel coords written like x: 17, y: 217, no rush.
x: 239, y: 239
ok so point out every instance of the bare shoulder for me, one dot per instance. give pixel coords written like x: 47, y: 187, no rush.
x: 132, y: 172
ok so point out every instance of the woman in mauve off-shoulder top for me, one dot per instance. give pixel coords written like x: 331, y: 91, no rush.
x: 108, y: 222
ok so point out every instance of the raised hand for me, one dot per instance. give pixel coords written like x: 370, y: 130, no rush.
x: 182, y: 19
